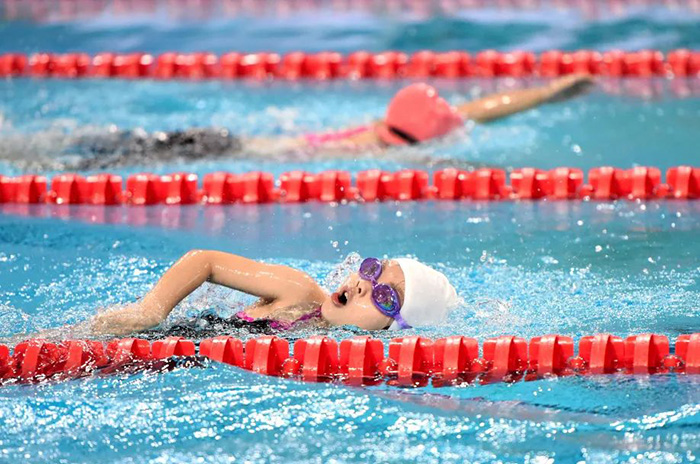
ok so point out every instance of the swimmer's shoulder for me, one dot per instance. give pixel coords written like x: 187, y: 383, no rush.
x: 302, y: 288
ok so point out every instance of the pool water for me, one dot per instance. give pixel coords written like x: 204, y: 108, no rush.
x: 523, y: 268
x: 645, y: 123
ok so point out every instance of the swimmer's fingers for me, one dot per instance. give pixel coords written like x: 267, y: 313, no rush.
x: 571, y: 86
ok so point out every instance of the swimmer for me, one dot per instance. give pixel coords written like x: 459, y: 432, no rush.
x: 418, y: 114
x: 382, y: 294
x: 415, y: 115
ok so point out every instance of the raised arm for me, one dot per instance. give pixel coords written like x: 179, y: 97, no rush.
x: 504, y: 104
x: 272, y: 283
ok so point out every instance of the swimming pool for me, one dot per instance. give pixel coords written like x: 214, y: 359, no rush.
x: 527, y: 268
x: 575, y: 133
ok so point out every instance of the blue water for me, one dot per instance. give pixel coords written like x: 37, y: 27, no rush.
x: 526, y: 268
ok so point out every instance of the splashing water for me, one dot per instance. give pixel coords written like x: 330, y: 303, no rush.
x: 340, y: 273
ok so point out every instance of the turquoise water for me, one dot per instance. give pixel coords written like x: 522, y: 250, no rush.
x: 526, y: 268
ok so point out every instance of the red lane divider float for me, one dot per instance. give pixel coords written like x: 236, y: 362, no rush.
x: 604, y: 183
x: 410, y: 362
x: 356, y: 65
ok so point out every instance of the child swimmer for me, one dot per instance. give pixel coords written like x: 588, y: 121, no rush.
x: 382, y: 294
x: 415, y: 115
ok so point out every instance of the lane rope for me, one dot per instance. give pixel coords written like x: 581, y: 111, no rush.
x: 486, y: 184
x: 409, y: 361
x: 356, y: 65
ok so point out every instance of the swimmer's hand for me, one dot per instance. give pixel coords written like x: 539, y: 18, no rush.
x: 119, y: 321
x: 125, y: 320
x: 570, y: 86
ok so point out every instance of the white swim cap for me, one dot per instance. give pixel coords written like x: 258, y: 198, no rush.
x: 429, y: 296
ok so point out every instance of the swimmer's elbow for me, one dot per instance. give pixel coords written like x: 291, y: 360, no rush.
x: 199, y: 260
x: 194, y: 254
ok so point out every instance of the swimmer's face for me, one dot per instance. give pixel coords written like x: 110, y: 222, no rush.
x: 351, y: 303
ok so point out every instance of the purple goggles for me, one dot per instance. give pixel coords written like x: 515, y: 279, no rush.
x: 384, y: 296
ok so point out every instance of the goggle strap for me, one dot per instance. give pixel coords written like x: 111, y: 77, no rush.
x: 400, y: 320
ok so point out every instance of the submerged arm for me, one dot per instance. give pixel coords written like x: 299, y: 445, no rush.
x: 268, y: 281
x: 356, y: 138
x: 504, y: 104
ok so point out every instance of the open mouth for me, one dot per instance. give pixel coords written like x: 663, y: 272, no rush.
x: 340, y: 298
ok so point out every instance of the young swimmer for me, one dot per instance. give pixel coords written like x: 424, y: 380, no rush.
x: 416, y: 114
x: 382, y: 294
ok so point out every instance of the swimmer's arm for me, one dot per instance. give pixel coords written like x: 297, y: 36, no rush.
x: 505, y: 104
x: 268, y: 281
x: 270, y: 147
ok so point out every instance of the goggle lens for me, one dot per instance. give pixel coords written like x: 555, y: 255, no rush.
x: 370, y: 269
x: 384, y: 296
x: 385, y: 299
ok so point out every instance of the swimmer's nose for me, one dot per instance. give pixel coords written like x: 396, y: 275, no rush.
x: 363, y: 287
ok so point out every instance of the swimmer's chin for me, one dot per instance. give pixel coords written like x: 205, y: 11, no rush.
x: 337, y: 314
x: 327, y: 310
x: 332, y: 312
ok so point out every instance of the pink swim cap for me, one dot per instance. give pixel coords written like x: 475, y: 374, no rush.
x: 417, y: 113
